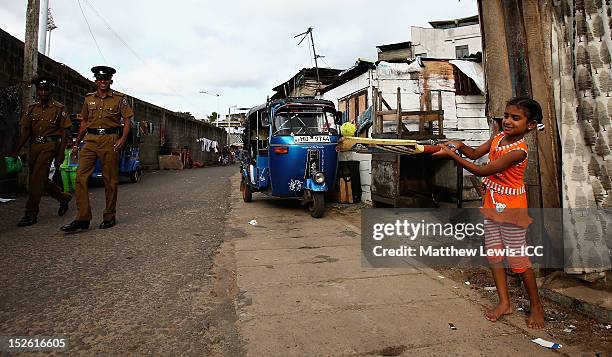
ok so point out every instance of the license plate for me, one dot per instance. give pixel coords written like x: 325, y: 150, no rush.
x: 311, y: 139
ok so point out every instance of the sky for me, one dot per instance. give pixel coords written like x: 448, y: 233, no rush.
x: 167, y: 52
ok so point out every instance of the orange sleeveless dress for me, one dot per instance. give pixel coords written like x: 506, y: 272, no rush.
x: 505, y: 200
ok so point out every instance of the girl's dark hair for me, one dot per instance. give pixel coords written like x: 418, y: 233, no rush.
x: 532, y: 108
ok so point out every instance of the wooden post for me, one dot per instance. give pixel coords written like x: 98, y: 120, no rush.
x: 30, y: 66
x: 399, y: 113
x: 30, y: 52
x: 375, y: 110
x: 440, y: 115
x: 381, y: 122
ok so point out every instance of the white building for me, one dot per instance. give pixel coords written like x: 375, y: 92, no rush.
x: 459, y: 83
x: 447, y: 39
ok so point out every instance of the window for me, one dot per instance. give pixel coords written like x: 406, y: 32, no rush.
x: 462, y: 51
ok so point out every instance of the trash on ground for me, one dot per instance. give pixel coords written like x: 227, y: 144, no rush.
x: 519, y: 309
x: 455, y: 287
x: 547, y: 344
x: 5, y: 200
x: 608, y: 327
x: 440, y: 276
x: 467, y: 283
x: 452, y: 327
x: 253, y: 222
x: 490, y: 288
x: 569, y: 329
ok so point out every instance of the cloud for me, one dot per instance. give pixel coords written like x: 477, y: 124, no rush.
x: 238, y: 48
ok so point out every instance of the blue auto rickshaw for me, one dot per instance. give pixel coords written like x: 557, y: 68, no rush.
x: 129, y: 158
x: 290, y: 147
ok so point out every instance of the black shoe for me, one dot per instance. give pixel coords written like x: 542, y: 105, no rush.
x: 74, y: 225
x: 63, y: 208
x: 27, y: 221
x: 108, y: 224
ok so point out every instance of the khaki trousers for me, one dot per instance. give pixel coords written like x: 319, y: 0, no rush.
x: 97, y: 146
x: 41, y: 156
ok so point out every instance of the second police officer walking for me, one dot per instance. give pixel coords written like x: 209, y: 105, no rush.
x: 44, y: 125
x: 104, y: 137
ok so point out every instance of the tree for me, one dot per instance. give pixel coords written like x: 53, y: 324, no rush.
x: 605, y: 82
x: 585, y: 110
x: 610, y: 138
x: 598, y: 191
x: 604, y: 53
x: 593, y: 167
x: 583, y: 56
x: 579, y: 5
x: 581, y: 25
x: 578, y: 172
x: 590, y: 7
x: 589, y: 134
x: 569, y: 146
x: 601, y: 147
x: 598, y: 27
x: 568, y: 116
x: 595, y: 121
x: 609, y: 12
x: 599, y: 4
x: 580, y: 200
x: 585, y: 83
x: 595, y: 91
x: 589, y: 33
x: 604, y: 178
x: 604, y: 119
x: 213, y: 117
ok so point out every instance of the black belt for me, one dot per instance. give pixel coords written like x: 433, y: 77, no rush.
x: 103, y: 131
x: 45, y: 139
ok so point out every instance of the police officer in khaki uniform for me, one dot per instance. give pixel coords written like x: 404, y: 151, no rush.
x: 44, y: 124
x: 104, y: 137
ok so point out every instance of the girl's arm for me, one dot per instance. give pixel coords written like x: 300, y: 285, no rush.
x: 497, y: 166
x: 469, y: 151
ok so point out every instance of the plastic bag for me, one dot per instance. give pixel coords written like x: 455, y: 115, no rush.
x: 13, y: 164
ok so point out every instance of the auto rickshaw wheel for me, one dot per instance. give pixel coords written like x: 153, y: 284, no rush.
x: 247, y: 192
x: 317, y: 204
x: 135, y: 176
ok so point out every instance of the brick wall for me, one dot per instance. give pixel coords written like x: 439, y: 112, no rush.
x: 71, y: 87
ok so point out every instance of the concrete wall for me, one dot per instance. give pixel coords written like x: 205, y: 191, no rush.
x: 71, y: 87
x: 441, y: 43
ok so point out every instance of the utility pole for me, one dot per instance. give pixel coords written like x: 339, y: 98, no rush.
x: 30, y: 65
x: 50, y: 27
x: 30, y: 52
x: 42, y: 37
x: 314, y: 52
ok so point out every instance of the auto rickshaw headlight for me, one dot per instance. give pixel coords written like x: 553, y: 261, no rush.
x: 319, y: 178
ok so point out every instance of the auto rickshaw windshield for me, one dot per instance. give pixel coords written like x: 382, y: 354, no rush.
x: 304, y: 123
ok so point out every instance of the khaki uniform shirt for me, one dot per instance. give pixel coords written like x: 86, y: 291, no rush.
x: 45, y: 120
x: 105, y: 112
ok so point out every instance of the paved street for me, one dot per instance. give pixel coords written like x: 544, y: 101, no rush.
x: 184, y: 273
x: 141, y: 287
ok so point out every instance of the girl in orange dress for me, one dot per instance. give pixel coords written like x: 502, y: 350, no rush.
x: 505, y: 200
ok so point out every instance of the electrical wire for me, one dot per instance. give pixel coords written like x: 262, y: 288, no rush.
x: 91, y: 32
x: 166, y: 82
x: 109, y: 27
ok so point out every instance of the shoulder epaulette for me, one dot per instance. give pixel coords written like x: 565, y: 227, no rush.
x: 119, y: 94
x: 58, y: 104
x: 88, y: 94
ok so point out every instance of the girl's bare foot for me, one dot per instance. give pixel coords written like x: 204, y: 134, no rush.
x: 535, y: 319
x: 499, y: 311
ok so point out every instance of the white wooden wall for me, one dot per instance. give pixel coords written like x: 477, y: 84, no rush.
x: 464, y: 116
